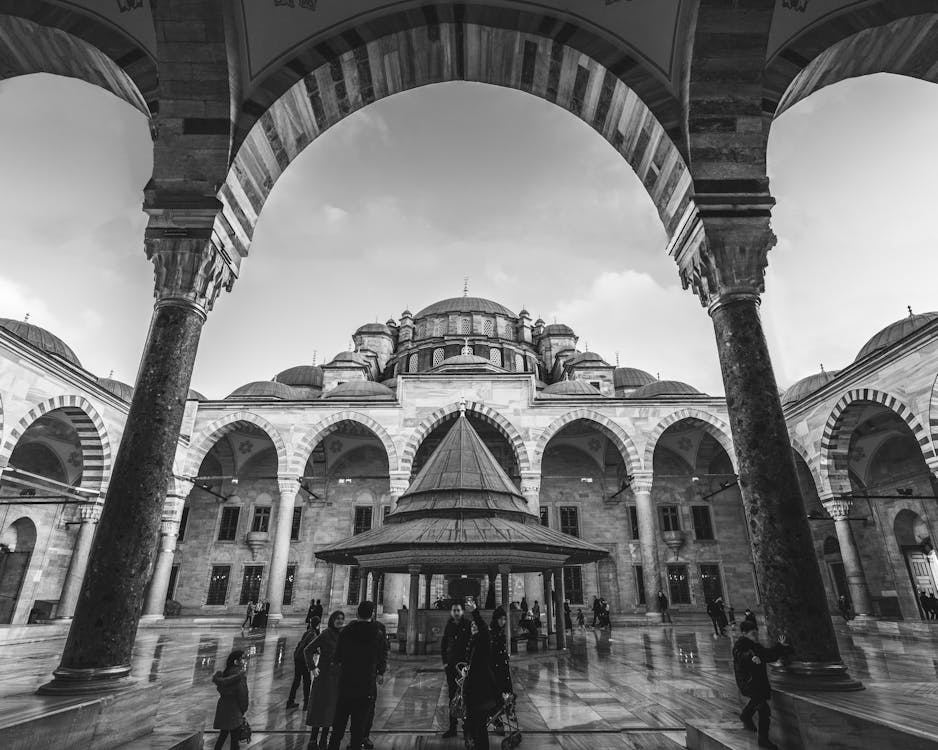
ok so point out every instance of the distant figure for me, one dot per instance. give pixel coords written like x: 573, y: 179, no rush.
x: 749, y: 616
x: 319, y: 611
x: 524, y: 605
x: 928, y: 602
x: 536, y: 611
x: 663, y: 606
x: 311, y: 612
x: 232, y: 686
x: 605, y: 614
x: 844, y: 606
x: 597, y: 607
x: 455, y: 651
x: 301, y: 671
x: 717, y: 616
x: 567, y: 619
x: 248, y: 616
x: 933, y: 600
x: 325, y: 689
x: 749, y: 660
x: 580, y: 619
x: 731, y: 616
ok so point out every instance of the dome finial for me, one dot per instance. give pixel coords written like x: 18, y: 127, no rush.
x: 465, y: 286
x: 26, y: 319
x: 617, y: 359
x: 462, y: 406
x: 315, y: 355
x: 110, y: 374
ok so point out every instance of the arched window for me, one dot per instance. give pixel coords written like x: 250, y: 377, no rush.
x: 519, y: 363
x: 412, y: 367
x: 439, y: 326
x: 437, y: 357
x: 465, y: 325
x: 488, y: 327
x: 495, y: 357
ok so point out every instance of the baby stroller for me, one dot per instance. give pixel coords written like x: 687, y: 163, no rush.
x: 504, y: 718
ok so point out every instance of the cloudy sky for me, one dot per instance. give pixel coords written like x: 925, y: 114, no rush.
x: 395, y: 205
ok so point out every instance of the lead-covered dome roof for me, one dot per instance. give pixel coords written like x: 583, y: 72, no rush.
x: 896, y: 332
x: 465, y: 305
x: 361, y: 389
x: 40, y: 338
x: 631, y: 377
x: 665, y: 388
x: 571, y: 388
x: 263, y: 389
x: 118, y: 388
x: 806, y: 386
x: 302, y: 376
x: 349, y: 358
x: 373, y: 329
x: 558, y: 329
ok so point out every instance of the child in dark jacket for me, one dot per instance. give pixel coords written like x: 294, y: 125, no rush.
x: 749, y: 664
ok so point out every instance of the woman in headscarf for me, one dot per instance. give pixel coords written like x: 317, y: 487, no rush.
x: 325, y: 689
x: 501, y: 669
x: 232, y: 686
x: 480, y: 691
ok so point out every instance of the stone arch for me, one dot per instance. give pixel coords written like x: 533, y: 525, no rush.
x: 92, y: 434
x: 329, y: 81
x: 202, y: 444
x: 607, y: 426
x: 486, y: 413
x: 812, y: 461
x: 712, y: 424
x: 310, y: 440
x: 835, y: 440
x: 933, y: 413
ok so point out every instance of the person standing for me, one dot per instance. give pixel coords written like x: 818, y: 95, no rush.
x: 360, y: 656
x: 324, y: 693
x: 536, y: 612
x: 844, y: 606
x: 501, y: 667
x: 663, y: 606
x: 455, y: 651
x: 596, y: 609
x: 367, y: 744
x: 524, y: 606
x: 567, y: 619
x: 300, y: 669
x: 311, y: 612
x: 480, y: 691
x: 749, y: 616
x: 580, y: 619
x: 933, y: 602
x: 248, y: 616
x: 232, y: 686
x: 714, y: 618
x: 749, y: 666
x: 319, y: 610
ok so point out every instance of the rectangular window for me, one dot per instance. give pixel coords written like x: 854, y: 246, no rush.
x: 569, y: 520
x: 640, y: 583
x: 362, y: 519
x: 670, y: 520
x: 251, y: 583
x: 703, y: 524
x: 573, y: 584
x: 678, y: 584
x: 173, y: 579
x: 710, y: 582
x: 633, y: 521
x: 183, y: 522
x: 261, y: 520
x: 288, y: 584
x: 218, y: 585
x: 354, y: 585
x: 545, y: 519
x: 228, y: 528
x: 297, y: 521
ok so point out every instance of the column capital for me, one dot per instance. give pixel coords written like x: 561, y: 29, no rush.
x: 839, y: 508
x: 414, y: 570
x: 504, y: 570
x: 286, y: 485
x: 90, y: 513
x: 399, y: 482
x: 642, y: 481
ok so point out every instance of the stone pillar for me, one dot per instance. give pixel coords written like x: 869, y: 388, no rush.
x: 159, y: 581
x: 856, y: 581
x: 504, y: 571
x: 413, y: 604
x: 724, y: 258
x: 399, y: 482
x: 545, y: 599
x: 558, y: 609
x: 280, y: 554
x: 647, y: 541
x: 363, y: 584
x: 79, y: 563
x: 189, y: 274
x: 375, y: 582
x: 428, y: 584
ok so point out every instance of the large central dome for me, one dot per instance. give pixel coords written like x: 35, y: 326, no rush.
x: 465, y: 305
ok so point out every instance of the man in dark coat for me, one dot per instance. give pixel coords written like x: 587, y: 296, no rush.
x: 749, y: 666
x: 663, y: 606
x: 597, y: 608
x: 301, y: 671
x: 367, y: 744
x: 455, y: 650
x: 361, y: 658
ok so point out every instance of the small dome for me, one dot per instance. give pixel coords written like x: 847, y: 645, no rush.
x: 807, y: 386
x: 264, y: 389
x: 467, y: 305
x: 665, y: 388
x: 407, y: 314
x: 194, y: 395
x: 524, y: 313
x: 366, y: 390
x: 539, y: 323
x: 119, y: 389
x: 539, y: 384
x: 630, y: 377
x: 304, y: 393
x: 391, y: 323
x: 374, y: 329
x: 558, y: 329
x: 464, y: 359
x: 349, y: 359
x: 301, y: 376
x: 40, y: 338
x: 586, y: 357
x: 896, y: 332
x: 571, y: 388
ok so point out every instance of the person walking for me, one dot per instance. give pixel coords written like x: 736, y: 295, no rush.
x: 596, y: 609
x: 360, y: 656
x: 455, y: 651
x: 480, y: 691
x: 324, y: 692
x: 567, y: 619
x: 367, y: 744
x: 232, y: 686
x: 714, y: 615
x: 501, y: 668
x: 663, y: 607
x: 749, y: 667
x: 580, y: 619
x: 301, y: 671
x: 536, y: 612
x: 248, y: 616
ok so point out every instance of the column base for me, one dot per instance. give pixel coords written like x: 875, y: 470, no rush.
x: 654, y: 618
x: 67, y: 681
x: 273, y: 620
x: 827, y: 676
x: 144, y: 619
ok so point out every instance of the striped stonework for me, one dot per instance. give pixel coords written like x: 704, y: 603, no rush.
x: 308, y: 442
x: 485, y: 413
x: 835, y: 440
x: 92, y: 435
x: 812, y: 460
x: 711, y: 424
x: 202, y: 444
x: 611, y: 429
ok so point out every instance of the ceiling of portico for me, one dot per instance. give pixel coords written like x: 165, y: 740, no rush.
x: 133, y: 16
x: 794, y: 16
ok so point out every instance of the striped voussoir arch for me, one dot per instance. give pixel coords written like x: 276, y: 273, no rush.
x: 835, y: 440
x: 485, y: 413
x: 202, y: 444
x: 320, y: 430
x: 813, y: 462
x: 92, y: 435
x: 715, y: 426
x: 613, y: 430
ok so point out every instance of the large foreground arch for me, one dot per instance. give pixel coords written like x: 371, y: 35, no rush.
x: 211, y: 434
x: 711, y: 424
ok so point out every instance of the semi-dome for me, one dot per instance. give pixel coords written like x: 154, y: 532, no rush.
x: 896, y: 332
x: 40, y: 338
x: 263, y: 389
x: 665, y: 388
x: 119, y: 389
x: 807, y: 386
x: 631, y: 377
x: 361, y: 389
x: 465, y: 305
x: 571, y: 388
x: 374, y: 329
x: 301, y: 376
x: 195, y: 395
x: 558, y: 329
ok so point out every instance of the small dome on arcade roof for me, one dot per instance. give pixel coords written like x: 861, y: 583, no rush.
x: 348, y: 358
x: 571, y: 388
x: 465, y: 304
x: 119, y: 389
x: 665, y: 388
x: 558, y: 329
x: 40, y: 338
x: 302, y: 376
x: 578, y: 359
x: 630, y: 377
x: 390, y: 383
x: 374, y: 329
x: 194, y: 395
x: 895, y: 332
x: 263, y: 389
x: 365, y: 390
x: 806, y: 386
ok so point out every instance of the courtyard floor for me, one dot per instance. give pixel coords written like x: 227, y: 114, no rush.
x: 633, y: 688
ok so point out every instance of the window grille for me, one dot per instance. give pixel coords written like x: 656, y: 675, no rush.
x: 412, y: 367
x: 437, y: 357
x: 495, y: 357
x: 228, y: 528
x: 251, y: 583
x: 218, y: 585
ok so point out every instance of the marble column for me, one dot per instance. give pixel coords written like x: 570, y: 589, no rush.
x: 647, y: 540
x: 79, y: 563
x: 159, y: 581
x: 856, y: 581
x: 558, y: 609
x: 413, y: 605
x: 189, y: 275
x: 545, y: 599
x: 504, y: 572
x: 375, y: 582
x: 280, y: 554
x: 428, y: 585
x: 531, y: 490
x: 363, y: 584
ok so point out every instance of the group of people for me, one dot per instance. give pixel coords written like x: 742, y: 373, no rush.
x: 256, y: 616
x: 601, y: 613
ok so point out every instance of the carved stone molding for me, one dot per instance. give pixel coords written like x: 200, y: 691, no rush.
x: 188, y: 270
x: 288, y: 485
x: 839, y: 509
x: 90, y: 513
x: 641, y: 482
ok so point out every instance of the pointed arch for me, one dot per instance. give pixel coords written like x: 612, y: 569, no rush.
x: 202, y: 444
x: 311, y: 439
x: 486, y: 413
x: 610, y: 428
x: 713, y: 425
x: 92, y: 435
x: 812, y: 461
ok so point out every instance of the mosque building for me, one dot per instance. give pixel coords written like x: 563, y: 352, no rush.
x: 642, y: 468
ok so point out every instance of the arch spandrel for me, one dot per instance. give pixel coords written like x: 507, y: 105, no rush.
x: 712, y: 424
x: 208, y: 436
x: 609, y: 427
x: 308, y: 442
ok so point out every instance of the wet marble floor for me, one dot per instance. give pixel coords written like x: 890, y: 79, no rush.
x: 632, y: 688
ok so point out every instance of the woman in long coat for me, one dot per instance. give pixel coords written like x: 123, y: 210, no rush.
x: 501, y: 669
x: 232, y: 686
x: 325, y: 689
x: 480, y: 692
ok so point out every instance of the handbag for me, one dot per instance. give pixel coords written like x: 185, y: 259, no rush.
x: 244, y: 731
